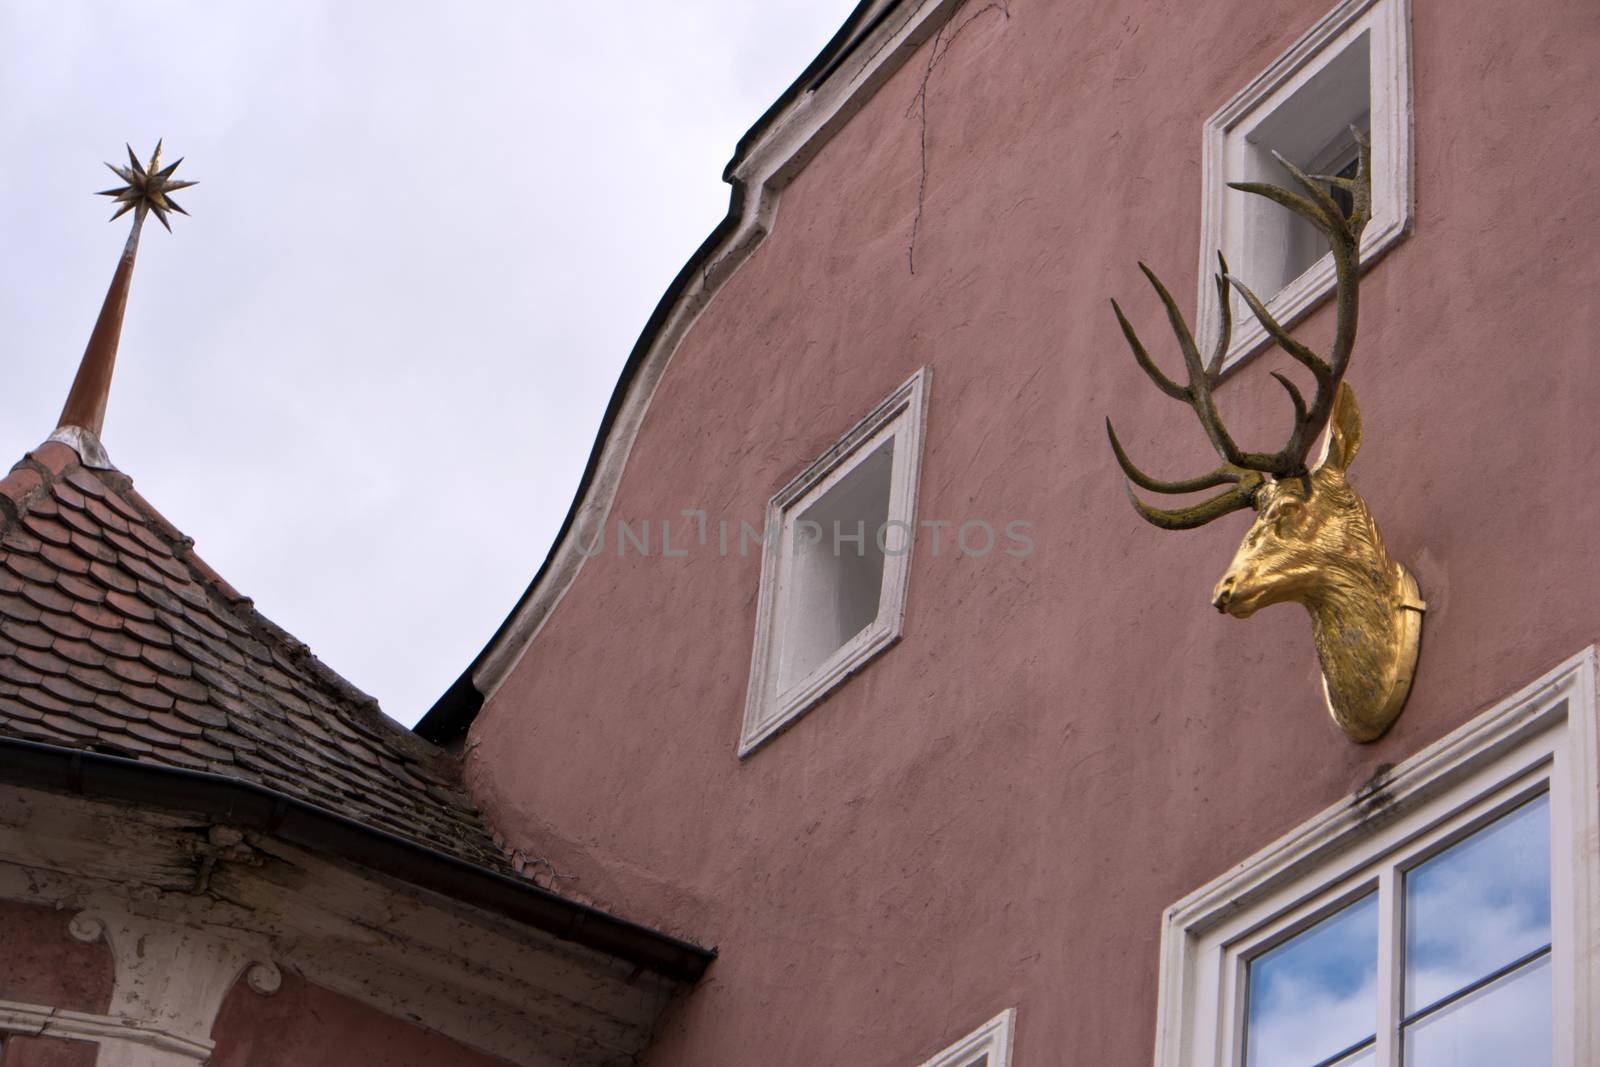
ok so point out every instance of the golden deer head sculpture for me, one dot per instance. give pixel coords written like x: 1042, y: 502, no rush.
x: 1313, y: 540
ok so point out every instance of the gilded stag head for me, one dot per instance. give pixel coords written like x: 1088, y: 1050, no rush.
x: 1313, y: 541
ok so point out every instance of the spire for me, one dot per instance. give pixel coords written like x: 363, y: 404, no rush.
x: 147, y: 189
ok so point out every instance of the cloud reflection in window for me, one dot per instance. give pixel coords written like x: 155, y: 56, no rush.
x: 1479, y: 905
x: 1316, y: 993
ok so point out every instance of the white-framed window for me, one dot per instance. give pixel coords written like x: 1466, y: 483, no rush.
x: 1447, y: 914
x: 987, y: 1046
x: 834, y: 562
x: 1353, y: 68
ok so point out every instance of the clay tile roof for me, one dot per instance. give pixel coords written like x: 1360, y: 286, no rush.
x: 116, y: 637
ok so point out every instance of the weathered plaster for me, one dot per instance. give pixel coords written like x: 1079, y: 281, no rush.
x: 188, y: 911
x: 997, y: 810
x: 308, y: 1026
x: 23, y: 1050
x: 40, y: 963
x: 173, y: 975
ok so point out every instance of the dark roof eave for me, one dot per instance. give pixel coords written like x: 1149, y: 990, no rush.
x: 447, y: 721
x: 249, y: 806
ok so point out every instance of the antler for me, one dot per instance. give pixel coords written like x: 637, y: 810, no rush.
x: 1247, y: 471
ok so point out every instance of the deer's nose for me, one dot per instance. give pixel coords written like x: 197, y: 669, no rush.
x: 1223, y: 593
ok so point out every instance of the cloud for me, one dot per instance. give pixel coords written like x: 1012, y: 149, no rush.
x: 366, y: 374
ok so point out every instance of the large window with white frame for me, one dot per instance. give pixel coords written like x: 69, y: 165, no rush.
x: 1350, y: 70
x: 987, y: 1046
x: 1438, y: 919
x: 835, y: 558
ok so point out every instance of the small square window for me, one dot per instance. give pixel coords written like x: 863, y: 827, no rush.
x: 834, y: 563
x: 1440, y: 918
x: 987, y: 1046
x: 1351, y: 70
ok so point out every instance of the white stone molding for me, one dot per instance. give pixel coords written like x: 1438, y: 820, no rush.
x: 989, y: 1045
x: 1542, y: 737
x: 786, y: 144
x: 171, y: 978
x: 123, y: 1042
x: 169, y: 986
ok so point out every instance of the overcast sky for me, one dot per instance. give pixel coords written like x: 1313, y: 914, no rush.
x: 366, y: 374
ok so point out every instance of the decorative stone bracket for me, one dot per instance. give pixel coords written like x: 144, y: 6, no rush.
x: 170, y: 984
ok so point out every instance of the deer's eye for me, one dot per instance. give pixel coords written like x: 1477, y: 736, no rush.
x: 1285, y: 515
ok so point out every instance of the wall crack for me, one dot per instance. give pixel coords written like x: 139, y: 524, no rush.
x: 919, y: 104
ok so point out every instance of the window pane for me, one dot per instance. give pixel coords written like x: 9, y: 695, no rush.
x: 1505, y: 1022
x: 1365, y: 1058
x: 836, y: 580
x: 1317, y: 992
x: 1479, y: 905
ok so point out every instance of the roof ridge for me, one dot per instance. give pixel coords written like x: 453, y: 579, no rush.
x: 115, y: 634
x: 299, y: 654
x: 18, y: 494
x: 296, y: 652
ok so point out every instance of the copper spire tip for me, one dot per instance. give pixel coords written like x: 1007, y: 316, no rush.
x: 147, y: 189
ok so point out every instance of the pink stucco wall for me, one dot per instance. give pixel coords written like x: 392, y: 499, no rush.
x: 41, y: 963
x: 997, y: 810
x: 304, y: 1025
x: 17, y: 1050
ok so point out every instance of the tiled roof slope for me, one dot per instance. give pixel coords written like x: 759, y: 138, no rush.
x: 116, y: 637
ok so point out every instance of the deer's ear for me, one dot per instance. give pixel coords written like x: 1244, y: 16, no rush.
x: 1343, y: 439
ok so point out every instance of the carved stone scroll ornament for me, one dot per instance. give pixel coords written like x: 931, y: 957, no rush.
x: 86, y: 928
x: 171, y: 980
x: 264, y: 978
x: 1313, y: 540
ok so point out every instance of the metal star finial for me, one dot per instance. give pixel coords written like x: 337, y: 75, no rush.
x: 149, y: 187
